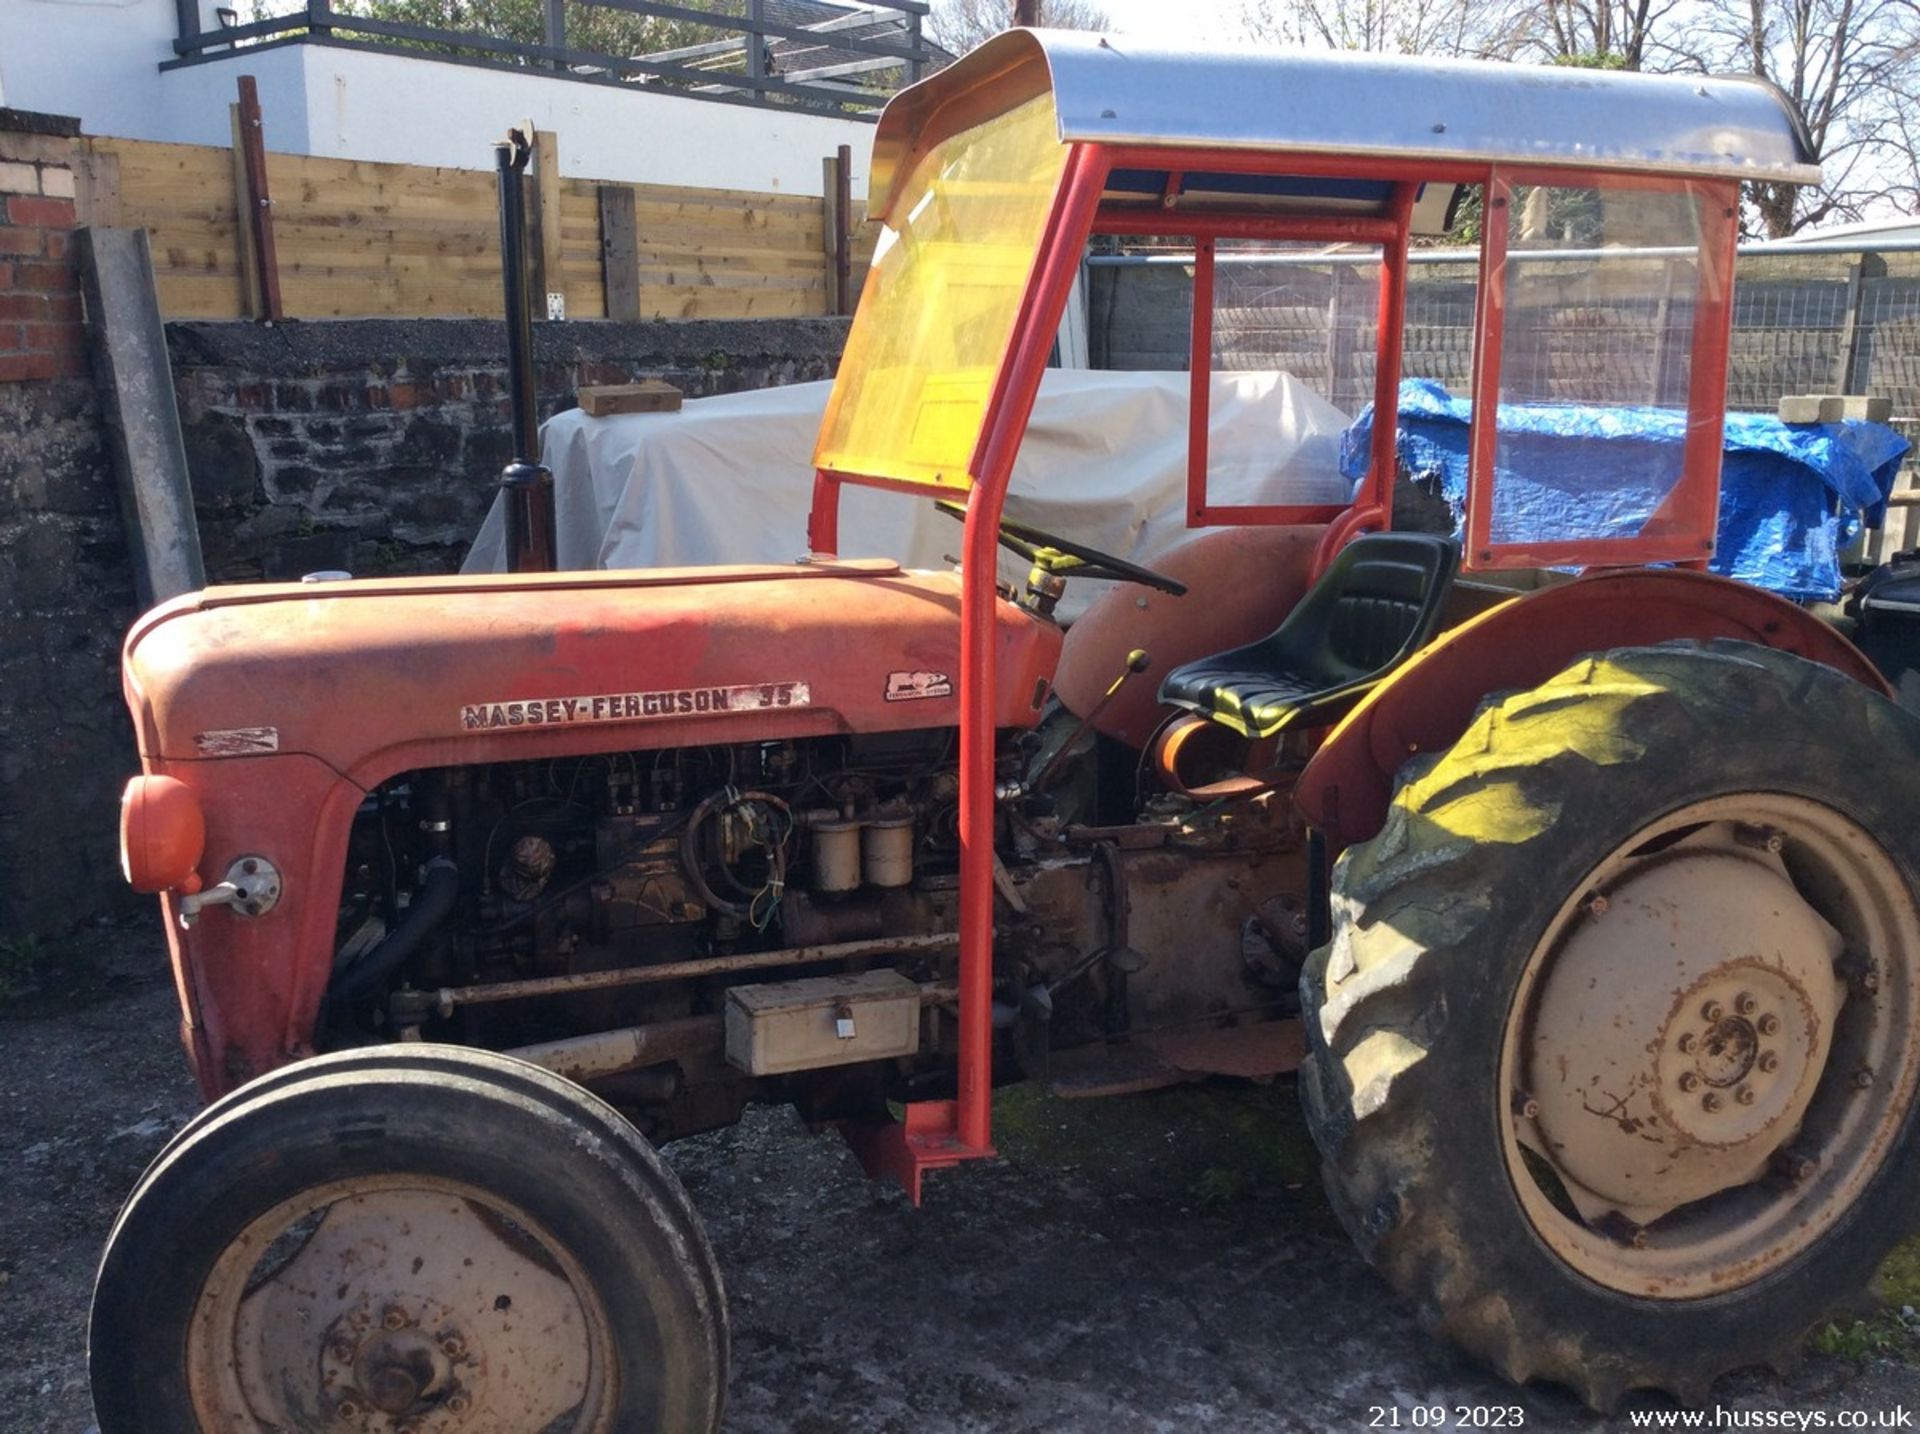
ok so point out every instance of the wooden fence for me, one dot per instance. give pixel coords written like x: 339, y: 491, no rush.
x: 356, y: 239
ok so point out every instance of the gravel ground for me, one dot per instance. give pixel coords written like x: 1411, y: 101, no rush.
x: 1158, y: 1263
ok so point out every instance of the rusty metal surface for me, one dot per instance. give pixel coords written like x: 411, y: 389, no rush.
x: 368, y: 679
x: 1428, y: 703
x: 693, y: 970
x: 1252, y: 1052
x: 311, y: 1320
x: 1693, y: 1036
x: 1241, y: 582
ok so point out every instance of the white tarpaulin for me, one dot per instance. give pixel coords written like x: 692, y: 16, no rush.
x: 1104, y: 462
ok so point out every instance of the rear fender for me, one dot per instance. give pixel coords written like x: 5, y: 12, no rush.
x: 1429, y: 702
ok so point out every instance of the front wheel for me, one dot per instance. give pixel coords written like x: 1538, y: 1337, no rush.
x: 415, y: 1237
x: 1613, y: 1057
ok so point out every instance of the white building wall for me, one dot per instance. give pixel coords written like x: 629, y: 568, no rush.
x: 100, y: 60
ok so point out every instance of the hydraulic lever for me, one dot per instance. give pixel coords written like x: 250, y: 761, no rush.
x: 1137, y: 662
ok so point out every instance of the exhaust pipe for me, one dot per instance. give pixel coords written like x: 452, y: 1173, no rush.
x: 527, y: 484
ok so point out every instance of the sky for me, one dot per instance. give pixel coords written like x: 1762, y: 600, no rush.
x: 1175, y: 19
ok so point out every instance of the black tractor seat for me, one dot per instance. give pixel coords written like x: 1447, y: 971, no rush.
x: 1371, y: 610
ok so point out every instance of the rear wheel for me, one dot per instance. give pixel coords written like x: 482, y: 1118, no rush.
x: 421, y: 1238
x: 1613, y: 1062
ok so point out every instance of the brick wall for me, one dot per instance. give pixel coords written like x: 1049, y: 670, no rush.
x: 66, y: 590
x: 41, y: 330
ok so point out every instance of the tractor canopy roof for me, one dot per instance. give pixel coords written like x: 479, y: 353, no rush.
x: 1113, y: 90
x: 987, y: 178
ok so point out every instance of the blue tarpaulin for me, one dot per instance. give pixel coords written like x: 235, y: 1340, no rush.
x: 1580, y: 471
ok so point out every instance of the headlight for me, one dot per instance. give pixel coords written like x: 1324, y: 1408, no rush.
x: 163, y: 834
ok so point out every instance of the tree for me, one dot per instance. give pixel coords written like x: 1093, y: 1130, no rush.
x: 1404, y: 27
x: 960, y: 25
x: 1851, y: 68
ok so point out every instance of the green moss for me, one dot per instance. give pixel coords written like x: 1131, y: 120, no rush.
x: 1210, y: 1143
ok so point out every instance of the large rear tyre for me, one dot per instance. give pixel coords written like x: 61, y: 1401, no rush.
x: 1612, y: 1054
x: 418, y: 1237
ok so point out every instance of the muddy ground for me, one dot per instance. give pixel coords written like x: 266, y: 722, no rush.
x: 1158, y: 1263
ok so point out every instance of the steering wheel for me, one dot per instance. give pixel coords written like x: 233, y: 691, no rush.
x: 1063, y: 558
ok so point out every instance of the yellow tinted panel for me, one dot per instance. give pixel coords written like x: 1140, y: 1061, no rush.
x: 939, y: 306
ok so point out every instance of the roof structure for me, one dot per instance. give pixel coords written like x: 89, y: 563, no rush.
x: 1113, y: 90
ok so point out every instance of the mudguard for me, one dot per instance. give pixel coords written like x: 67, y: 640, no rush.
x: 1428, y: 703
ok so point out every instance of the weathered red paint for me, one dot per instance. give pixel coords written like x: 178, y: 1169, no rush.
x: 359, y: 696
x: 1427, y: 704
x: 1241, y: 584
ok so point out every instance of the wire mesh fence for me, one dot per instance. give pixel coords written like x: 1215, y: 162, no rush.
x: 1818, y: 322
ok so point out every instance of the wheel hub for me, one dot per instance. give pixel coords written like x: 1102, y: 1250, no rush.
x: 1733, y: 1055
x: 1682, y: 1029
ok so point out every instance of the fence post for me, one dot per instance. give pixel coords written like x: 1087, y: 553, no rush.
x: 619, y: 252
x: 259, y: 216
x: 1339, y: 338
x: 544, y: 218
x: 320, y: 18
x: 836, y: 239
x: 553, y: 28
x: 243, y: 207
x: 1852, y: 361
x: 1662, y: 333
x: 756, y: 41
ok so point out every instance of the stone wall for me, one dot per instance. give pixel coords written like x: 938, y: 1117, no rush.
x: 66, y: 589
x: 371, y: 446
x: 374, y: 445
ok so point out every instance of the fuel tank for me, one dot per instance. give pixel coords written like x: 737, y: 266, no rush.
x: 381, y: 676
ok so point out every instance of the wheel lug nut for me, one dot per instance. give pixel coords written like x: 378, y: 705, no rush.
x: 1862, y: 1078
x: 1769, y: 1062
x: 1795, y: 1166
x: 1712, y: 1011
x: 1525, y: 1106
x: 1596, y: 905
x: 394, y: 1317
x: 1686, y: 1043
x: 347, y: 1409
x: 1710, y: 1101
x: 342, y: 1351
x: 1744, y: 1095
x: 453, y: 1346
x: 1768, y: 1025
x: 1744, y: 1004
x: 456, y: 1404
x: 1689, y: 1081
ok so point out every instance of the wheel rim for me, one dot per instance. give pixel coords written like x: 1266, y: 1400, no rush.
x: 399, y: 1303
x: 1706, y: 1057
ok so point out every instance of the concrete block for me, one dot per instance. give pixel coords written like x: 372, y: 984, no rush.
x: 57, y: 182
x: 1834, y: 408
x: 20, y: 178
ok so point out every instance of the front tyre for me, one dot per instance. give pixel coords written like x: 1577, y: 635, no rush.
x: 1612, y: 1053
x: 416, y: 1237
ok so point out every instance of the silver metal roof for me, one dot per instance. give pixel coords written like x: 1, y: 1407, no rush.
x: 1115, y: 90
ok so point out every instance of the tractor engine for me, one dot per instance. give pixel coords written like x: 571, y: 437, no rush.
x: 598, y: 863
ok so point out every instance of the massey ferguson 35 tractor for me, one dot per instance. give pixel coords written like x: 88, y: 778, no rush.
x: 1586, y: 914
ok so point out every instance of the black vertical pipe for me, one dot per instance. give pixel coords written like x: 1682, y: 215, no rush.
x: 527, y: 484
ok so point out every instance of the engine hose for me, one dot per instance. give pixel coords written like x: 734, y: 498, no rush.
x: 432, y: 905
x: 711, y: 806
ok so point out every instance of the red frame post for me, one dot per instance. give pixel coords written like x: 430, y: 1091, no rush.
x: 1200, y: 383
x: 1681, y: 530
x: 1004, y: 426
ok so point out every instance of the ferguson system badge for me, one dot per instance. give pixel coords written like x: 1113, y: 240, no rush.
x: 918, y: 686
x: 632, y: 706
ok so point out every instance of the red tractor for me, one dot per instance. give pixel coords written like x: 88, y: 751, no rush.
x: 1586, y: 914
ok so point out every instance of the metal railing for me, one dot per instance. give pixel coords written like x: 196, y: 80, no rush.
x: 799, y: 54
x: 1817, y: 317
